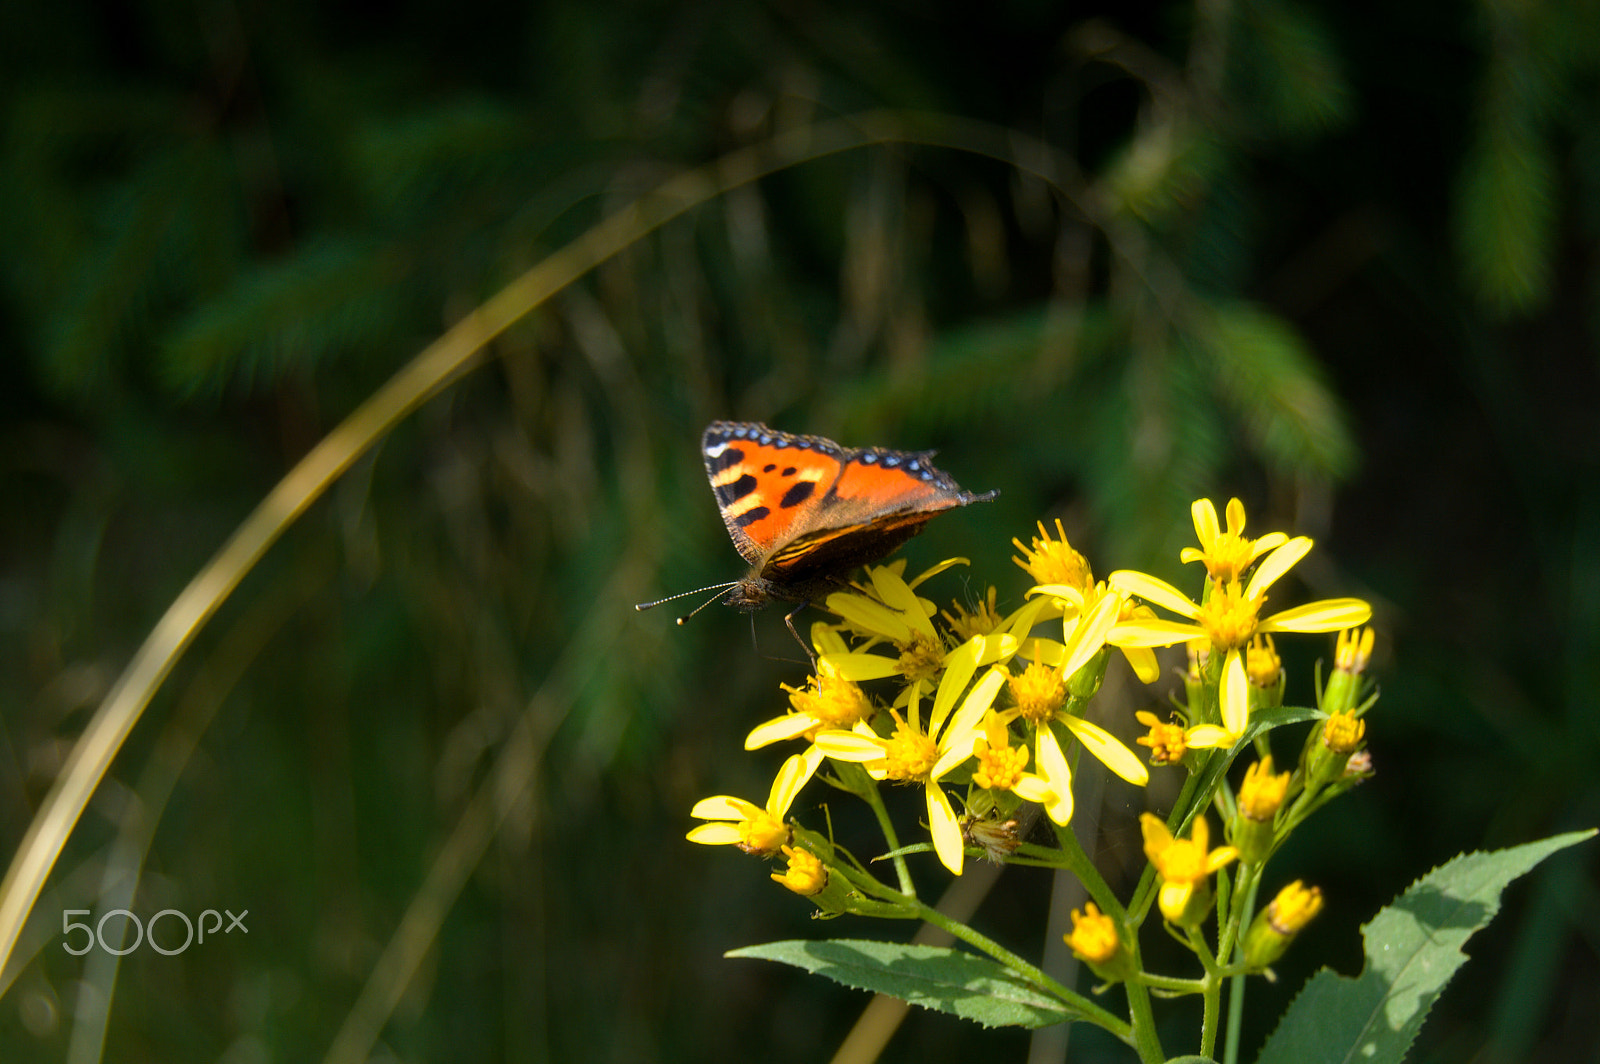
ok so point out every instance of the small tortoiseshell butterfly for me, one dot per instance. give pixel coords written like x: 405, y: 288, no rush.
x: 804, y: 511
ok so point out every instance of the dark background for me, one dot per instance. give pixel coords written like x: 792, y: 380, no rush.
x: 1336, y: 259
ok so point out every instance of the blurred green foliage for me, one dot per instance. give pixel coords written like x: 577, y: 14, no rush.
x: 1336, y: 259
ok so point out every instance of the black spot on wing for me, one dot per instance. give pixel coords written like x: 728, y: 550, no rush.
x: 728, y: 494
x: 798, y: 493
x: 751, y: 516
x: 730, y: 456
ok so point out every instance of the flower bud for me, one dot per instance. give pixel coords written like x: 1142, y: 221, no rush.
x: 1275, y: 926
x: 1330, y: 747
x: 1260, y: 797
x: 1265, y: 670
x: 1094, y: 940
x: 1350, y: 658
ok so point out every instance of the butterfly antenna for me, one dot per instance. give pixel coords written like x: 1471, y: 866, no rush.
x: 642, y: 606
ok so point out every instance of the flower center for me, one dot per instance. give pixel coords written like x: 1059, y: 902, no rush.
x: 999, y: 768
x: 1052, y: 560
x: 1228, y: 617
x: 920, y: 659
x: 763, y: 834
x: 1039, y: 693
x: 836, y: 702
x: 1166, y: 741
x: 1183, y: 862
x: 1228, y: 556
x: 909, y: 754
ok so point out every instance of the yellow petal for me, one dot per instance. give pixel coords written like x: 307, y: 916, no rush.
x: 791, y: 777
x: 848, y: 746
x: 869, y: 616
x: 1205, y: 520
x: 958, y: 736
x: 1065, y: 592
x: 959, y: 667
x: 945, y: 828
x: 1090, y: 634
x: 1234, y: 693
x: 825, y: 639
x: 724, y: 807
x: 900, y: 598
x: 1154, y: 590
x: 1143, y: 662
x: 721, y: 833
x: 937, y: 569
x: 1027, y: 615
x: 1207, y: 736
x: 788, y: 726
x: 1153, y: 632
x: 1276, y: 564
x: 1328, y: 615
x: 1033, y: 789
x: 1051, y: 763
x: 859, y: 666
x: 1108, y: 749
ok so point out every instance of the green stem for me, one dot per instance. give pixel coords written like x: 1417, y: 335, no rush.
x: 874, y: 799
x: 1211, y: 995
x: 1173, y: 983
x: 1089, y: 1009
x: 1146, y: 1042
x: 1245, y: 910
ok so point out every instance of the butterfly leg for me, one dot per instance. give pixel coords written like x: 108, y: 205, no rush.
x: 788, y: 619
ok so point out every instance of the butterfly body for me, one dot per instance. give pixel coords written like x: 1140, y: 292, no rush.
x: 804, y: 511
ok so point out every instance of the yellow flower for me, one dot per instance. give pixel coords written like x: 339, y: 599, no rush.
x: 925, y: 755
x: 982, y: 619
x: 752, y: 828
x: 1343, y: 732
x: 897, y: 615
x: 1185, y: 866
x: 1001, y: 767
x: 806, y: 874
x: 827, y: 701
x: 1052, y: 560
x: 1166, y: 741
x: 1094, y: 940
x: 1040, y: 707
x: 1228, y: 555
x: 1094, y: 935
x: 1262, y: 792
x: 1230, y: 617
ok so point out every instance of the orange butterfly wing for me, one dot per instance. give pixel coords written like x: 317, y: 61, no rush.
x: 802, y: 510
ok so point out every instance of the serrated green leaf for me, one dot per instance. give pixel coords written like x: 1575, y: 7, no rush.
x: 1413, y: 947
x: 946, y: 980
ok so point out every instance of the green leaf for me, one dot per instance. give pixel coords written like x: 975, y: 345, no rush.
x: 1261, y: 722
x: 1413, y: 947
x: 947, y: 980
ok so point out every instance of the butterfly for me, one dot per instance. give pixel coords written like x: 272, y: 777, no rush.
x: 804, y: 511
